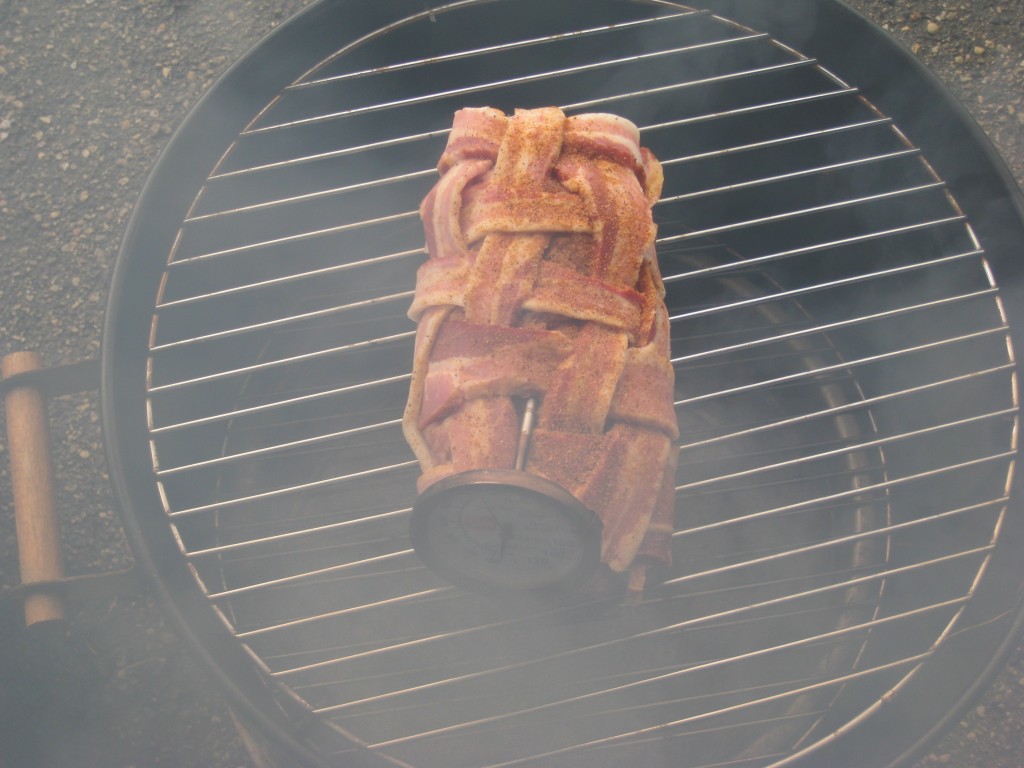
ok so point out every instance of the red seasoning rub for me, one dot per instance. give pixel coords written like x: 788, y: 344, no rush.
x: 543, y: 282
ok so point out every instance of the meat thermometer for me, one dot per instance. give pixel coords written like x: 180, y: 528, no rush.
x: 505, y: 530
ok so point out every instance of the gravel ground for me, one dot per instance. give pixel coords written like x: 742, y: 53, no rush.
x: 89, y: 93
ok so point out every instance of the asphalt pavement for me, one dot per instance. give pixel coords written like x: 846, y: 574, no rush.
x: 90, y: 91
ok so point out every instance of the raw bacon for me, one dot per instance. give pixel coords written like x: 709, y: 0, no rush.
x: 543, y: 283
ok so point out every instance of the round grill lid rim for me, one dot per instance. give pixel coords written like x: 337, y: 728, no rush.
x: 135, y: 500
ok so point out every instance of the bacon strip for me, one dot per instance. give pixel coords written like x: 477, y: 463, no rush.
x: 543, y: 282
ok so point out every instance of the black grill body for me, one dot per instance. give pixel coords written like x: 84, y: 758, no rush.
x: 843, y: 283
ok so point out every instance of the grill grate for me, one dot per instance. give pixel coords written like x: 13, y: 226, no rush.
x: 846, y: 397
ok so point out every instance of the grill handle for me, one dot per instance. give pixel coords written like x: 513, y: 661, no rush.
x: 35, y: 516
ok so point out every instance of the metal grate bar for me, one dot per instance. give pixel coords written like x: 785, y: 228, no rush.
x: 412, y: 214
x: 756, y: 760
x: 295, y: 238
x: 252, y: 410
x: 407, y: 642
x: 674, y: 675
x: 275, y: 427
x: 764, y: 453
x: 280, y: 321
x: 802, y: 212
x: 289, y: 655
x: 246, y: 455
x: 856, y: 581
x: 746, y: 263
x: 501, y: 48
x: 753, y: 108
x: 826, y: 327
x: 728, y: 77
x: 317, y: 548
x: 849, y: 449
x: 277, y: 492
x: 802, y: 505
x: 371, y: 713
x: 346, y: 612
x: 947, y: 632
x: 404, y: 465
x: 420, y: 641
x: 384, y: 181
x: 821, y: 545
x: 283, y: 361
x: 827, y: 412
x: 694, y: 621
x: 600, y: 709
x: 412, y: 138
x: 800, y: 355
x: 730, y: 692
x: 684, y: 624
x: 802, y: 173
x: 916, y: 659
x: 234, y: 546
x: 428, y: 172
x: 846, y: 364
x: 284, y: 279
x: 398, y: 644
x: 836, y: 410
x: 431, y: 171
x: 743, y: 624
x: 411, y: 643
x: 727, y: 764
x: 789, y: 139
x: 715, y: 334
x: 828, y: 285
x: 876, y: 466
x: 244, y: 523
x: 309, y: 574
x: 496, y: 84
x: 334, y: 153
x: 401, y: 336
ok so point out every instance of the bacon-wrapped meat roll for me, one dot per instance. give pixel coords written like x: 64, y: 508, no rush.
x: 543, y: 282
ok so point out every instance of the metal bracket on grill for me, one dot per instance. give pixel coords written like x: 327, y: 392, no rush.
x: 56, y: 381
x: 83, y: 588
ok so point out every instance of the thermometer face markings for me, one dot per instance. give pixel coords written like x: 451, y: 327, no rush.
x: 524, y: 541
x: 495, y: 531
x: 477, y: 530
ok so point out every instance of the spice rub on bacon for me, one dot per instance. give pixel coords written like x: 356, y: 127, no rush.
x: 542, y: 281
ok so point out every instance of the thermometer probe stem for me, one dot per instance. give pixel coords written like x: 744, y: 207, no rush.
x: 525, y: 431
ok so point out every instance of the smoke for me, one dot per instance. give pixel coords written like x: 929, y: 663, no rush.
x: 93, y: 91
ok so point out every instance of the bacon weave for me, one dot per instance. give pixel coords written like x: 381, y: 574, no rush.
x: 543, y: 282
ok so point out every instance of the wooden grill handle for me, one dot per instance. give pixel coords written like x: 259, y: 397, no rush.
x: 35, y: 517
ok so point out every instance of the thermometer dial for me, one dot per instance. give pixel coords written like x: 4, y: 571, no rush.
x: 504, y: 530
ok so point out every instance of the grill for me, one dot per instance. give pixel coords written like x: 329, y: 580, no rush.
x: 846, y: 393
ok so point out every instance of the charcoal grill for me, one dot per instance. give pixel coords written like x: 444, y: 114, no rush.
x: 841, y: 278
